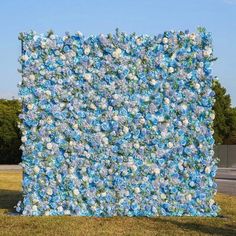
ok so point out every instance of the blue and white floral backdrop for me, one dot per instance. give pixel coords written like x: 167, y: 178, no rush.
x: 117, y: 124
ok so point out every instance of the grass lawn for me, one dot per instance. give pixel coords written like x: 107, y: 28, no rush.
x: 10, y: 192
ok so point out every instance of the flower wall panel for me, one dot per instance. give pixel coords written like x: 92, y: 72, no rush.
x: 117, y: 124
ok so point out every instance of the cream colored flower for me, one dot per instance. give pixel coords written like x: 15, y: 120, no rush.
x: 32, y: 77
x: 117, y: 53
x: 165, y: 40
x: 76, y: 192
x: 163, y: 196
x: 171, y: 70
x: 49, y: 191
x: 30, y: 106
x: 137, y: 190
x: 36, y: 169
x: 49, y: 146
x: 87, y: 50
x: 88, y: 77
x: 23, y: 139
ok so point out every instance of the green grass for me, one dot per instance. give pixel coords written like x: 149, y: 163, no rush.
x: 10, y: 193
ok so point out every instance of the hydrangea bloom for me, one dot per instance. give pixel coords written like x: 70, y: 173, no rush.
x: 117, y: 124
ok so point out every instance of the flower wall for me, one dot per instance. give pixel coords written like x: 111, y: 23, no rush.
x: 117, y: 124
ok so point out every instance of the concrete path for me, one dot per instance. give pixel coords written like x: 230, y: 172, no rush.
x: 226, y: 186
x: 226, y: 173
x: 225, y: 179
x: 10, y: 167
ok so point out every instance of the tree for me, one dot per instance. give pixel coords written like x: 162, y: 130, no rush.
x: 225, y: 117
x: 9, y: 132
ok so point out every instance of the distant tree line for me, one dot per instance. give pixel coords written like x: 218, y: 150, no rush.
x: 10, y: 136
x: 225, y: 117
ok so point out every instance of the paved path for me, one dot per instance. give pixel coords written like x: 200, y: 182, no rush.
x: 226, y: 186
x: 226, y: 178
x: 226, y: 173
x: 10, y: 167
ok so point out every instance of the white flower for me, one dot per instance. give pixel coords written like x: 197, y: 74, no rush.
x: 24, y: 58
x: 192, y: 36
x: 117, y: 53
x: 184, y: 106
x: 132, y: 77
x: 105, y: 140
x: 104, y: 105
x: 136, y: 145
x: 189, y: 197
x: 23, y: 139
x: 103, y: 194
x: 126, y: 129
x: 165, y: 40
x: 167, y: 101
x: 163, y: 196
x: 49, y: 191
x: 154, y: 197
x: 67, y: 212
x: 87, y: 50
x: 71, y: 170
x: 153, y: 82
x: 115, y: 118
x: 137, y: 190
x: 92, y: 106
x: 76, y: 192
x: 208, y: 169
x: 49, y: 146
x: 212, y: 115
x: 59, y: 178
x: 163, y: 134
x: 197, y: 86
x: 85, y: 178
x: 207, y: 52
x: 30, y: 106
x: 133, y: 167
x: 34, y: 208
x: 36, y: 169
x: 142, y: 121
x: 138, y: 41
x: 167, y: 85
x: 170, y: 69
x: 185, y: 121
x: 161, y: 118
x: 75, y: 126
x: 48, y: 93
x: 211, y: 202
x: 170, y: 145
x: 180, y: 166
x: 49, y: 120
x: 146, y: 98
x: 88, y: 77
x: 60, y: 208
x: 47, y: 213
x: 156, y: 171
x: 63, y: 57
x: 32, y: 77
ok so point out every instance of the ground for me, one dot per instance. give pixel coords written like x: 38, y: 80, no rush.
x: 10, y: 193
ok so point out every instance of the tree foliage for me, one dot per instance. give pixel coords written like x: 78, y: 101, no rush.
x: 225, y: 117
x: 9, y: 132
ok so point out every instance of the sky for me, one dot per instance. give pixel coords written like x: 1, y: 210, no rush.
x: 104, y: 16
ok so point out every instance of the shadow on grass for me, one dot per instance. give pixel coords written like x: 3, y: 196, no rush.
x: 8, y: 199
x: 226, y: 229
